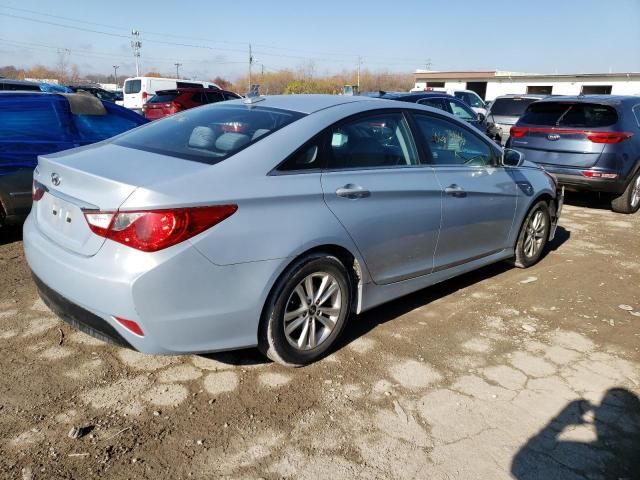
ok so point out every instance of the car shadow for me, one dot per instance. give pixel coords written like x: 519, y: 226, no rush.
x: 592, y: 200
x: 614, y: 453
x: 393, y: 309
x: 10, y: 234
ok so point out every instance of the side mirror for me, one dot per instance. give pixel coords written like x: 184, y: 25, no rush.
x: 512, y: 158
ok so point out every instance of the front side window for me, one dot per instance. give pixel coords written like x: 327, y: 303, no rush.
x: 451, y: 144
x: 209, y: 134
x: 377, y: 140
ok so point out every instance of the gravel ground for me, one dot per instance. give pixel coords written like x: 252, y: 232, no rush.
x: 501, y: 373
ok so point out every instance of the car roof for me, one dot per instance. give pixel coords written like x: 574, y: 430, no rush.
x: 306, y: 103
x: 603, y: 99
x: 415, y: 95
x: 523, y: 95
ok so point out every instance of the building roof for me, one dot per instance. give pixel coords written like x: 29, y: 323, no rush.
x: 498, y: 75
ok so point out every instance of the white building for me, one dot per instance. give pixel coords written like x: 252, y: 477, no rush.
x: 490, y: 84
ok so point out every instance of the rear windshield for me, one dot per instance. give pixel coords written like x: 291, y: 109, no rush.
x: 163, y: 97
x: 511, y: 107
x: 132, y: 86
x: 564, y: 114
x: 209, y: 134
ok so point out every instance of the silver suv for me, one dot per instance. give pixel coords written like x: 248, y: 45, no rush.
x: 504, y: 112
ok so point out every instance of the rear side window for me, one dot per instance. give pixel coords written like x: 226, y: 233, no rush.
x: 94, y: 128
x: 510, y: 107
x: 30, y: 118
x: 459, y: 109
x: 132, y: 86
x: 209, y: 134
x: 164, y: 97
x: 564, y: 114
x: 231, y: 96
x: 433, y: 102
x: 213, y: 97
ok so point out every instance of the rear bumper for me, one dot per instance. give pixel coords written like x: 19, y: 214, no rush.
x: 573, y: 179
x: 182, y: 302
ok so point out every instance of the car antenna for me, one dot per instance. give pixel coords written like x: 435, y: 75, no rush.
x: 254, y: 95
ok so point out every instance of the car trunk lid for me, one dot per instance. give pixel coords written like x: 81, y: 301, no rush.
x: 94, y: 178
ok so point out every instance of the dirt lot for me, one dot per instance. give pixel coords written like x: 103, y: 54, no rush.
x: 502, y: 373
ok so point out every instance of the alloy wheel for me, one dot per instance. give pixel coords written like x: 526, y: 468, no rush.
x: 635, y: 193
x: 312, y: 311
x: 534, y: 237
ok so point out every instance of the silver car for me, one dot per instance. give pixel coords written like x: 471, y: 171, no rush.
x: 269, y: 221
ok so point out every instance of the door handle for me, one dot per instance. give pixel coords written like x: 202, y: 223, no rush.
x: 352, y: 191
x: 455, y: 191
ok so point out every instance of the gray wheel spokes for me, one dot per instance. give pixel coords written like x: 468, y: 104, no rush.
x: 635, y: 193
x: 312, y: 311
x: 534, y: 235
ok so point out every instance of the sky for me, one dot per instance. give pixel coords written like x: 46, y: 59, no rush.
x: 211, y: 38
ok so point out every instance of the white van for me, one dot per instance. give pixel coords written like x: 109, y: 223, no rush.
x: 137, y: 90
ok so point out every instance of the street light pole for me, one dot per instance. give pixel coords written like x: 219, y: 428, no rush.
x: 115, y: 74
x: 178, y: 65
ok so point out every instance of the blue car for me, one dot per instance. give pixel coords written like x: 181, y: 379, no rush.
x: 266, y: 221
x: 35, y: 123
x: 589, y: 142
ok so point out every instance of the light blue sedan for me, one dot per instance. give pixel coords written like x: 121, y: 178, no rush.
x: 271, y: 221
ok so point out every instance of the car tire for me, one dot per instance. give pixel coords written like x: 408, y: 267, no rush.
x: 533, y: 235
x: 297, y: 326
x: 629, y: 201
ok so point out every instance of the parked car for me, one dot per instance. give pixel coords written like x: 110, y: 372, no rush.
x: 14, y: 85
x: 469, y: 97
x: 267, y: 221
x: 36, y: 123
x: 438, y: 100
x: 137, y: 90
x: 96, y: 91
x: 587, y: 142
x: 168, y: 102
x: 504, y: 113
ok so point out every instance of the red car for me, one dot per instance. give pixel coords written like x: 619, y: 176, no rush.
x: 168, y: 102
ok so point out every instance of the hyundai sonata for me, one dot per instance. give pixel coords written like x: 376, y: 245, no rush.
x: 269, y: 221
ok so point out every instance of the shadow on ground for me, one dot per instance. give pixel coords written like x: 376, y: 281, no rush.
x: 10, y: 234
x: 613, y: 454
x: 598, y: 201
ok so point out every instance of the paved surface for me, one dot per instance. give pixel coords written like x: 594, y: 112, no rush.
x: 502, y: 373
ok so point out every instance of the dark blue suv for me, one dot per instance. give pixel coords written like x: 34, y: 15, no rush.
x: 36, y: 123
x: 587, y: 142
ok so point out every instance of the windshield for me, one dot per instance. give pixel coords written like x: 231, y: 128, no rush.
x: 563, y: 114
x: 209, y: 134
x: 511, y: 107
x: 132, y: 86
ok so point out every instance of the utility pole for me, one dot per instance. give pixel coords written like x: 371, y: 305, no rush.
x: 250, y: 65
x: 136, y: 44
x: 178, y: 65
x: 358, y: 79
x: 115, y: 74
x: 428, y: 64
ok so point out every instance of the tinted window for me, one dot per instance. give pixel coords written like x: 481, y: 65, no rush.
x: 381, y: 140
x: 94, y: 128
x: 188, y: 85
x: 199, y: 98
x: 451, y: 144
x: 209, y: 134
x: 213, y: 97
x: 459, y: 109
x: 636, y: 112
x: 132, y: 86
x: 30, y: 118
x: 231, y: 96
x: 563, y: 114
x: 433, y: 102
x: 163, y: 97
x: 511, y: 107
x: 19, y: 86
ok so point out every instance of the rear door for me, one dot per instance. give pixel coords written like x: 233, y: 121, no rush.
x: 132, y: 93
x: 480, y: 196
x: 557, y: 133
x: 387, y: 201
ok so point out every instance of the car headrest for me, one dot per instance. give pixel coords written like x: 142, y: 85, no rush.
x: 202, y: 137
x: 229, y: 141
x: 259, y: 132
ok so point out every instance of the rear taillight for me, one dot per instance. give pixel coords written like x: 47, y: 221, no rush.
x: 144, y: 97
x: 153, y: 230
x: 37, y: 191
x: 176, y: 107
x: 594, y: 136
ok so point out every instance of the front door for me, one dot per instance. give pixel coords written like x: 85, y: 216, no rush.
x: 480, y: 196
x: 387, y: 201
